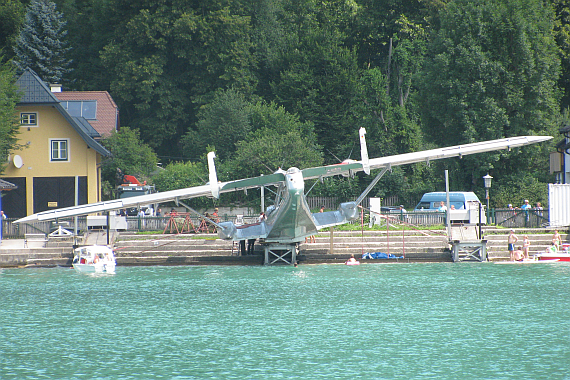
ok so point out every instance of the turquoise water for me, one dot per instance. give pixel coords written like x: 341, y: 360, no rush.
x: 374, y: 321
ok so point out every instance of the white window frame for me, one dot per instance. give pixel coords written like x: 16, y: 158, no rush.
x: 51, y: 150
x: 81, y: 102
x: 28, y: 124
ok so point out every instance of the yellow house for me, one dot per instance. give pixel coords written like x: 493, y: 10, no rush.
x: 60, y: 166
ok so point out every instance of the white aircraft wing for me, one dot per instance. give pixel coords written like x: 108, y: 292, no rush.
x: 273, y: 179
x: 347, y: 168
x: 457, y: 151
x: 166, y: 196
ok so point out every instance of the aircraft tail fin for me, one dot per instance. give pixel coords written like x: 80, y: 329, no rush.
x: 214, y: 186
x: 364, y: 151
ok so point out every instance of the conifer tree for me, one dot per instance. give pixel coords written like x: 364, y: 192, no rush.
x: 41, y: 44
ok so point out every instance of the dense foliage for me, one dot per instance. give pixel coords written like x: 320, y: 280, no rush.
x: 9, y: 123
x: 41, y: 44
x: 130, y: 155
x: 279, y: 83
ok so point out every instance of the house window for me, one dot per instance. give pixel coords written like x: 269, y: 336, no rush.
x: 29, y: 119
x: 59, y: 150
x: 81, y: 108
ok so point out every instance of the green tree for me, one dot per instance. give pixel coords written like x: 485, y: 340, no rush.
x: 180, y: 175
x: 270, y: 40
x: 168, y: 58
x: 277, y: 139
x: 265, y: 115
x: 320, y: 84
x: 562, y: 35
x: 221, y: 124
x: 9, y: 123
x: 492, y: 73
x: 41, y: 44
x: 129, y: 154
x: 91, y: 24
x: 266, y: 150
x: 517, y: 187
x: 317, y: 74
x: 11, y: 19
x: 376, y: 21
x: 386, y: 108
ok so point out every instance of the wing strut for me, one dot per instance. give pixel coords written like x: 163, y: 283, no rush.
x: 307, y: 193
x: 372, y: 184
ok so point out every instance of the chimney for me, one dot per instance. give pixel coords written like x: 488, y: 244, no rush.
x: 55, y: 87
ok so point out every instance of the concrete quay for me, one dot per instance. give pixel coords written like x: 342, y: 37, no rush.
x: 345, y: 243
x: 540, y: 239
x: 205, y: 249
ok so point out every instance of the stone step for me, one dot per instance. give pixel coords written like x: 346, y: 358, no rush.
x: 189, y: 252
x: 223, y: 246
x: 167, y: 249
x: 36, y: 256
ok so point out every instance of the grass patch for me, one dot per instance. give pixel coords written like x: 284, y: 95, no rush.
x: 210, y: 237
x: 397, y: 227
x: 185, y: 235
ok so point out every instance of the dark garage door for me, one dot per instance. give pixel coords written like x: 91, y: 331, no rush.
x: 57, y: 192
x: 14, y: 201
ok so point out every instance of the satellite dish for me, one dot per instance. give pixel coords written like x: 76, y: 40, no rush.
x: 18, y: 162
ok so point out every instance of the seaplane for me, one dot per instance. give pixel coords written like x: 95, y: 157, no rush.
x: 289, y: 220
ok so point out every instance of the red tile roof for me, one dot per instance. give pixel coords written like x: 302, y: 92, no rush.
x: 107, y: 111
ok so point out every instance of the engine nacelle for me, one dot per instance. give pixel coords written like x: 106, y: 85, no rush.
x: 227, y: 230
x: 349, y: 211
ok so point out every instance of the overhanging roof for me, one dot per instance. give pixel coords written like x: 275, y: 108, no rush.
x: 107, y: 121
x: 36, y: 92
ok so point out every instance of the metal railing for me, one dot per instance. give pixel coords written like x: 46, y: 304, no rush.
x: 519, y: 218
x: 183, y: 223
x: 191, y: 223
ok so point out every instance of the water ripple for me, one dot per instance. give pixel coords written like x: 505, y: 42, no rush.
x: 401, y: 321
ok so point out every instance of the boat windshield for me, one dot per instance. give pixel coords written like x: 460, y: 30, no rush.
x: 91, y: 254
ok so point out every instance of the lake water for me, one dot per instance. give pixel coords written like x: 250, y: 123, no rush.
x: 373, y: 321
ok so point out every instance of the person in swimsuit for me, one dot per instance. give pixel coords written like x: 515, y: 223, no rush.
x: 526, y: 246
x: 557, y: 240
x: 518, y: 254
x: 512, y: 240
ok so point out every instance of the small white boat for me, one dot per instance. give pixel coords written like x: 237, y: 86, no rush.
x: 94, y: 259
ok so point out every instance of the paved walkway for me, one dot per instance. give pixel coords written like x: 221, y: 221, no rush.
x: 11, y: 244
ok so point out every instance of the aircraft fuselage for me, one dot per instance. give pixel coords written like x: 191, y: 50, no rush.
x: 291, y: 220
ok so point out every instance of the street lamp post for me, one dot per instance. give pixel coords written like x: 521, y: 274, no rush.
x: 487, y: 180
